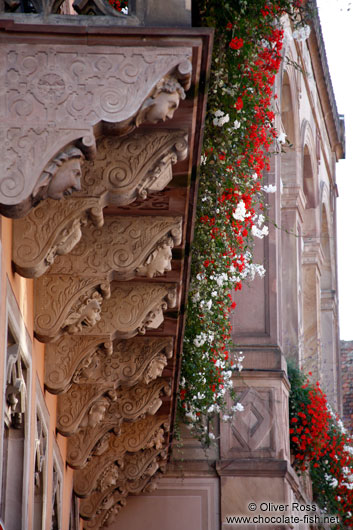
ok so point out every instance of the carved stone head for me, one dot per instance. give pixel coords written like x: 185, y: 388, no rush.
x: 159, y: 261
x: 65, y: 173
x: 162, y: 103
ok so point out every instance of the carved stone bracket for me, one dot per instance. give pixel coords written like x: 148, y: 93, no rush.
x: 133, y: 308
x: 128, y: 168
x: 63, y: 357
x: 118, y: 483
x: 86, y: 406
x: 126, y: 470
x: 52, y: 229
x: 54, y: 96
x: 146, y: 432
x: 125, y: 246
x: 65, y: 304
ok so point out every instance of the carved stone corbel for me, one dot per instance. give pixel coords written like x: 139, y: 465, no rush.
x: 67, y: 304
x: 126, y: 169
x: 49, y: 85
x: 131, y: 437
x: 86, y: 479
x: 60, y: 178
x: 63, y: 357
x: 52, y: 229
x: 86, y: 406
x: 133, y: 308
x: 123, y: 247
x: 116, y: 483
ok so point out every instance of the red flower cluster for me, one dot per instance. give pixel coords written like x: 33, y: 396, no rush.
x: 236, y: 43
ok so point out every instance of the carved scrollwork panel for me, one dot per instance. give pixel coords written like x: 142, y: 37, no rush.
x: 54, y: 96
x: 116, y: 471
x: 131, y: 437
x: 52, y: 229
x: 128, y: 168
x: 86, y: 479
x: 127, y: 246
x: 133, y: 308
x: 63, y: 357
x: 86, y: 406
x: 67, y: 304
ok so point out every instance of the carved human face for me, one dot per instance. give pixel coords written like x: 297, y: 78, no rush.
x: 155, y: 368
x: 91, y: 314
x: 96, y: 414
x: 66, y: 180
x: 165, y: 104
x: 160, y: 263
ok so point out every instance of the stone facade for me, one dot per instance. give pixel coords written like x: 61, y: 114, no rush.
x: 347, y: 383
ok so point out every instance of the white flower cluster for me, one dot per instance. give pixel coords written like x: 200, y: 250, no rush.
x: 259, y: 232
x: 200, y: 339
x: 270, y: 188
x: 220, y: 118
x: 302, y: 33
x: 238, y: 359
x: 240, y: 211
x: 332, y: 481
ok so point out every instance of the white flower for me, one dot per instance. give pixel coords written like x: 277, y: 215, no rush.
x: 302, y: 33
x: 225, y: 417
x: 212, y: 436
x: 214, y: 293
x: 259, y: 233
x: 209, y: 304
x: 281, y: 138
x: 238, y: 407
x: 125, y: 10
x: 219, y: 113
x: 203, y: 161
x: 236, y: 124
x: 240, y: 211
x: 270, y: 189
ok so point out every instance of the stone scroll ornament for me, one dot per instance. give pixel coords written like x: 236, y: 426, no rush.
x: 86, y: 406
x: 88, y: 307
x: 116, y: 483
x: 146, y: 432
x: 54, y: 99
x: 124, y: 170
x: 84, y: 360
x: 123, y: 247
x: 88, y: 479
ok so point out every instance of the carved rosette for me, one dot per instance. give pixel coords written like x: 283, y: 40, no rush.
x: 124, y: 246
x: 52, y: 229
x: 86, y: 406
x: 131, y: 437
x: 67, y: 304
x: 126, y: 169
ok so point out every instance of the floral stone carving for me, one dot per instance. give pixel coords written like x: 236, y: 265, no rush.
x: 86, y: 406
x: 125, y: 246
x: 54, y: 96
x: 130, y: 437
